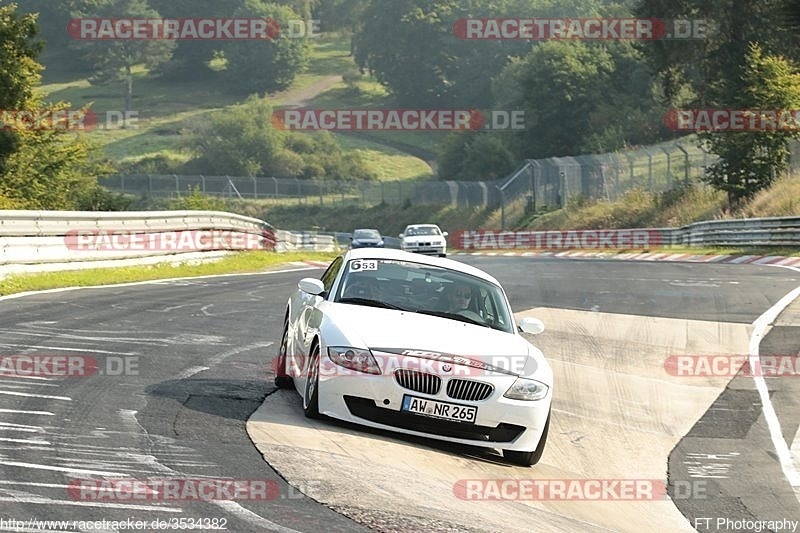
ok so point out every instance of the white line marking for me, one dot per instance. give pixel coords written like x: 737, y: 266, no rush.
x: 760, y: 328
x: 189, y: 372
x: 80, y: 471
x: 14, y: 411
x: 36, y: 378
x: 106, y: 505
x: 9, y: 425
x: 249, y: 516
x: 30, y: 395
x: 4, y: 381
x: 224, y: 355
x: 151, y: 282
x: 232, y: 507
x: 26, y: 441
x: 58, y: 348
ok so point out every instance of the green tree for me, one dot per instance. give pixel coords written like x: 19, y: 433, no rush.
x: 19, y: 70
x: 474, y: 156
x: 190, y: 58
x: 39, y: 168
x: 559, y: 86
x: 270, y: 65
x: 698, y: 71
x: 410, y: 46
x: 242, y: 141
x: 114, y: 60
x: 750, y: 161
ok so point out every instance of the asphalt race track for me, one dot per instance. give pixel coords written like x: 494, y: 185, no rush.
x: 197, y: 394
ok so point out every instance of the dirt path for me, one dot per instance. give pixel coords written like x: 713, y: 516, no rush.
x: 303, y: 98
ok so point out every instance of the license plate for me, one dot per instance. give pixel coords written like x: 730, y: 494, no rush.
x: 436, y: 409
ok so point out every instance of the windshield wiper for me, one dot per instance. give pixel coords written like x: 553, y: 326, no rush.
x: 453, y: 316
x: 371, y: 302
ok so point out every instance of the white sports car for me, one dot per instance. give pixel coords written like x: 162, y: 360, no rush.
x: 418, y: 345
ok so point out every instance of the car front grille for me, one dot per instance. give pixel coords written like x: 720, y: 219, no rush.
x: 418, y: 381
x: 469, y: 390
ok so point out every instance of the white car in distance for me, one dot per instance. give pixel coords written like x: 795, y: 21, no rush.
x: 424, y: 239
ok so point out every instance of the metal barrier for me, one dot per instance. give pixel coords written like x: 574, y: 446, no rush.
x: 60, y: 240
x: 56, y: 240
x: 777, y: 231
x: 762, y: 232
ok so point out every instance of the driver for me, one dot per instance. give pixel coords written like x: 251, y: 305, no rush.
x: 362, y: 287
x: 459, y: 296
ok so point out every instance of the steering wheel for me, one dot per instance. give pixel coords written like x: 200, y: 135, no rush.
x: 359, y: 289
x: 472, y: 315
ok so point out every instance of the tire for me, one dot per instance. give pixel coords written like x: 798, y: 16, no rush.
x: 529, y: 458
x: 311, y: 392
x: 442, y: 255
x: 283, y: 380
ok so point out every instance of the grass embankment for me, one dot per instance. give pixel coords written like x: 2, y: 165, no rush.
x: 639, y: 209
x: 244, y: 262
x: 168, y: 109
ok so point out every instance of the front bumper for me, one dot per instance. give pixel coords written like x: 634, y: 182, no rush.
x: 376, y: 400
x: 427, y: 250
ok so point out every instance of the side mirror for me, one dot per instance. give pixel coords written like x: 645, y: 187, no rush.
x: 312, y: 286
x: 445, y: 233
x: 400, y: 235
x: 530, y: 325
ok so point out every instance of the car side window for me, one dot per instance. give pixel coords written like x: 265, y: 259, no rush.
x: 330, y: 275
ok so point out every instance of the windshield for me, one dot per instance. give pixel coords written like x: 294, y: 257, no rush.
x: 425, y: 289
x: 366, y: 234
x: 423, y: 230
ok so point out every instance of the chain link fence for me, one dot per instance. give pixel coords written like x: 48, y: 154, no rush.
x: 541, y: 183
x: 457, y: 193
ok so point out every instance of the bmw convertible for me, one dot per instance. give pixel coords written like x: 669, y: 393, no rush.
x: 418, y: 345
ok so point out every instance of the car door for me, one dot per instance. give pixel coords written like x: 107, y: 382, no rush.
x: 307, y: 316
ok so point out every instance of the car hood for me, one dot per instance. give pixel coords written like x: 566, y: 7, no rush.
x: 415, y: 334
x: 368, y: 241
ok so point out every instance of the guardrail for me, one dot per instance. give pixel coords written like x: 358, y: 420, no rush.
x: 289, y: 241
x: 775, y: 231
x: 60, y: 240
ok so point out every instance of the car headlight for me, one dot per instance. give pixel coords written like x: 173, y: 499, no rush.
x: 354, y: 359
x: 527, y: 389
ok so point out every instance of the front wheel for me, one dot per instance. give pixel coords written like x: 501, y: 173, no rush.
x: 282, y: 379
x: 529, y: 458
x: 311, y: 396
